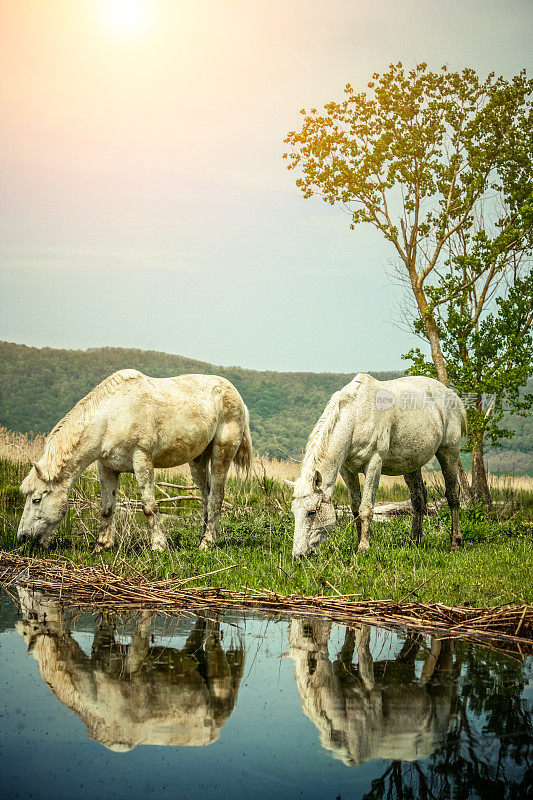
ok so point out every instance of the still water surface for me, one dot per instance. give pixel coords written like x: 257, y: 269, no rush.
x: 241, y: 705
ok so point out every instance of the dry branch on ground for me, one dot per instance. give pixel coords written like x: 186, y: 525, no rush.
x: 99, y: 588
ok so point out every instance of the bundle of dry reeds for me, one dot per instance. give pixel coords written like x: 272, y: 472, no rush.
x: 99, y: 588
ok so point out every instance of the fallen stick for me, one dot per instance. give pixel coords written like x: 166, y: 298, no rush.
x: 205, y: 574
x: 418, y: 587
x: 387, y: 510
x: 521, y: 621
x: 179, y: 497
x: 177, y: 486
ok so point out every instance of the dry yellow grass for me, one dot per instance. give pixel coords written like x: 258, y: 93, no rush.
x: 19, y: 447
x: 290, y: 470
x: 23, y: 448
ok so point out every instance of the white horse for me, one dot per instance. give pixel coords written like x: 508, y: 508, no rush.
x: 377, y: 709
x: 140, y: 693
x: 133, y: 423
x: 370, y: 426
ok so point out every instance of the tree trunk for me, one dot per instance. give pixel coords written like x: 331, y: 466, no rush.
x: 480, y: 486
x: 430, y: 325
x: 436, y: 351
x: 437, y: 356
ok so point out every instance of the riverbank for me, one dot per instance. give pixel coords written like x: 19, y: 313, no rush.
x: 99, y: 588
x: 494, y: 566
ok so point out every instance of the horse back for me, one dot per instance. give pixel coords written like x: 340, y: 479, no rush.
x: 173, y: 419
x: 406, y: 420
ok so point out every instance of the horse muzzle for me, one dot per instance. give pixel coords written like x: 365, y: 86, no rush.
x: 24, y: 537
x: 301, y: 556
x: 28, y: 539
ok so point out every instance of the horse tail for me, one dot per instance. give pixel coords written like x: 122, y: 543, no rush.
x: 243, y: 456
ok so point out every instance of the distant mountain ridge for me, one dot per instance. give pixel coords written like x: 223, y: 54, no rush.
x: 39, y: 385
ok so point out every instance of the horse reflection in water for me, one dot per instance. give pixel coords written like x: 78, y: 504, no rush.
x: 377, y: 709
x: 138, y: 693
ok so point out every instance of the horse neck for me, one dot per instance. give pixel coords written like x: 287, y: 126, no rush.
x: 77, y: 465
x: 329, y: 461
x: 64, y: 462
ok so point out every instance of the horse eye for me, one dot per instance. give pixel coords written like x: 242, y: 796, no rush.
x: 311, y: 513
x: 36, y: 501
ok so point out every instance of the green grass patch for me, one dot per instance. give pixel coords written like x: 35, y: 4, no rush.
x: 493, y: 567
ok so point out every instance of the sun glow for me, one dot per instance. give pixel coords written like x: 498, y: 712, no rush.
x: 127, y: 18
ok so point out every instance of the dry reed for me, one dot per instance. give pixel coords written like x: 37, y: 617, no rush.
x: 25, y: 448
x: 99, y: 588
x: 20, y: 448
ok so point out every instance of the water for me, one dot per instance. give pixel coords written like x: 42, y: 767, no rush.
x: 248, y: 706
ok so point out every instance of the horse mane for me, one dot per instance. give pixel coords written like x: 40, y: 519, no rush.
x: 65, y: 436
x: 320, y: 436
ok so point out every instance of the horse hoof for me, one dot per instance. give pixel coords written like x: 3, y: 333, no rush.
x: 205, y: 545
x: 362, y: 549
x: 158, y: 547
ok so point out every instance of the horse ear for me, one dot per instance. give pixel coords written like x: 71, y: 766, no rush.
x: 317, y: 481
x: 39, y: 471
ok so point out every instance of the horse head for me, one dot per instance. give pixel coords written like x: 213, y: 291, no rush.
x: 314, y: 517
x: 46, y: 505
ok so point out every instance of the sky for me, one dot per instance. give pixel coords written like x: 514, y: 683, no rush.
x: 144, y: 199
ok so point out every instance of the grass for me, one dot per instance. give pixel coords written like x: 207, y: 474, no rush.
x: 493, y: 567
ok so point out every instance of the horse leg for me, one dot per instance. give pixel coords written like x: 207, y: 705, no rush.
x: 431, y: 661
x: 144, y: 472
x: 200, y: 474
x: 365, y: 664
x: 366, y: 510
x: 221, y: 458
x: 140, y: 643
x: 419, y: 501
x: 450, y: 471
x: 218, y: 678
x: 351, y: 479
x: 347, y: 649
x: 108, y: 502
x: 410, y: 648
x: 196, y: 638
x: 105, y: 652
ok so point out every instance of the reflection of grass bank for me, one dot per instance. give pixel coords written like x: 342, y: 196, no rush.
x: 494, y: 567
x: 103, y: 589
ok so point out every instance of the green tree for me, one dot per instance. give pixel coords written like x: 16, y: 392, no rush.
x: 424, y: 156
x: 488, y: 356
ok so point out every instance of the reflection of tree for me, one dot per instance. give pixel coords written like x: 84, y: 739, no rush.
x: 460, y: 730
x: 487, y: 751
x: 139, y: 693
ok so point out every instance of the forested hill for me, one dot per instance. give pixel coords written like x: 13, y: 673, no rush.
x: 38, y: 386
